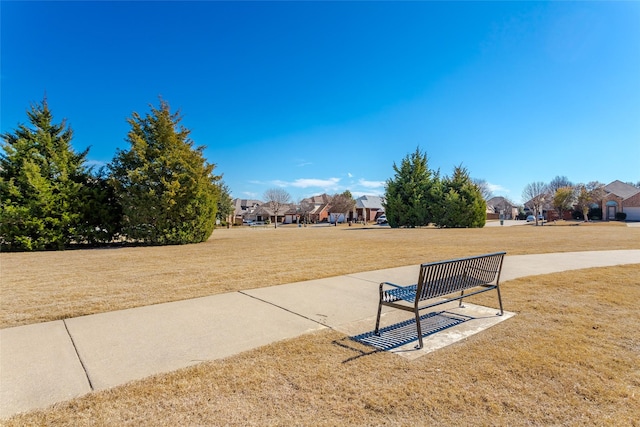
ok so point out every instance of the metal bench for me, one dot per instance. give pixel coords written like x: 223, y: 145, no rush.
x: 440, y: 282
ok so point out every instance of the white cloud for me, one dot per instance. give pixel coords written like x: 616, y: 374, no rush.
x: 314, y: 182
x: 371, y: 184
x: 279, y: 183
x: 349, y: 175
x: 497, y: 188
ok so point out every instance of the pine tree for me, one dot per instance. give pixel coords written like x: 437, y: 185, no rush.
x: 41, y: 180
x: 167, y: 190
x: 408, y: 194
x: 463, y: 205
x: 225, y: 206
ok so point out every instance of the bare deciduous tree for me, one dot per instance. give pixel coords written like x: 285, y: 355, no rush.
x: 276, y: 199
x: 484, y: 188
x: 536, y: 194
x: 341, y: 204
x: 305, y: 209
x: 559, y: 182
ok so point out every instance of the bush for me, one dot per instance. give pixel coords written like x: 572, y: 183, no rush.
x: 621, y: 216
x: 595, y: 213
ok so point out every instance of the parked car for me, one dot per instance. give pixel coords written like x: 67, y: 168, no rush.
x: 382, y: 219
x: 531, y: 218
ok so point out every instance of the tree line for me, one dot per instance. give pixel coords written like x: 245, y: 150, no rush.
x: 159, y: 191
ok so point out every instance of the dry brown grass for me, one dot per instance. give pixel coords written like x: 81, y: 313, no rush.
x: 570, y: 357
x: 44, y: 286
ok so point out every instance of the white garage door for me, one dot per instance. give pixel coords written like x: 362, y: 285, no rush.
x: 633, y: 214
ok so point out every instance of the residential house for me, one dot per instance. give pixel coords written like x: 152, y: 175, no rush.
x: 368, y: 208
x: 499, y: 205
x: 621, y: 197
x: 244, y: 209
x: 315, y: 209
x: 266, y: 214
x: 547, y: 210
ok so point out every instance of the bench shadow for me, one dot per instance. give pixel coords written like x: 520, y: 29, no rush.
x: 403, y: 333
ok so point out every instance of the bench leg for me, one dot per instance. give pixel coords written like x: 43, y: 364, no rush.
x: 377, y: 330
x: 460, y: 300
x: 419, y: 328
x: 500, y: 301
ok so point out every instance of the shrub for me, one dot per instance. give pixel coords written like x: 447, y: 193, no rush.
x: 621, y: 216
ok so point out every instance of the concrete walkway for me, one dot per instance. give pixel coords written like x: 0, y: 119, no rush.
x: 45, y: 363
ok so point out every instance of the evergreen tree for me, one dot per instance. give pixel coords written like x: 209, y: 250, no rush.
x: 167, y: 190
x: 408, y: 195
x: 462, y: 204
x: 225, y: 203
x: 41, y: 182
x: 100, y: 211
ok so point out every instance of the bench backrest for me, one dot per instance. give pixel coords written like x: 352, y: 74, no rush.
x: 445, y: 277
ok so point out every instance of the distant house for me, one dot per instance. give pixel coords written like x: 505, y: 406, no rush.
x: 621, y: 197
x: 315, y: 209
x: 265, y: 213
x: 547, y: 209
x: 244, y: 209
x: 499, y: 205
x: 368, y: 208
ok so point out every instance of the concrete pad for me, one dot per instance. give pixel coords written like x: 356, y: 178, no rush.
x: 126, y: 345
x: 38, y: 367
x: 478, y: 319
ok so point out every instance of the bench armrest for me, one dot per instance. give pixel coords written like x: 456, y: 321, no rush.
x: 390, y: 284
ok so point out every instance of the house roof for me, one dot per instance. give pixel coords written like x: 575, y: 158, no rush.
x: 499, y: 201
x: 621, y: 189
x: 318, y: 200
x: 370, y: 202
x: 242, y: 206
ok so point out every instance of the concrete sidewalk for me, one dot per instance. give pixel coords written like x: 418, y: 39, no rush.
x: 45, y: 363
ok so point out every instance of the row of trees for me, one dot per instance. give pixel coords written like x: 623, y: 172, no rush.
x: 159, y: 191
x: 417, y: 196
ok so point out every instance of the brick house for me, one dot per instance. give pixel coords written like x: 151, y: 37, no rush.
x: 316, y: 208
x: 621, y: 197
x: 500, y: 205
x: 368, y: 208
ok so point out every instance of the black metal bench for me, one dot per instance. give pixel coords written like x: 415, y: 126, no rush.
x: 440, y: 282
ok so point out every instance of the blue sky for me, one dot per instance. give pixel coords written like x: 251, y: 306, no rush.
x: 323, y: 97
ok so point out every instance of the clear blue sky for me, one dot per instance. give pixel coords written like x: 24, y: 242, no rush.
x: 323, y: 97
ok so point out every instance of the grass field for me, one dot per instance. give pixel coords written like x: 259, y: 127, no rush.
x: 570, y: 357
x: 43, y: 286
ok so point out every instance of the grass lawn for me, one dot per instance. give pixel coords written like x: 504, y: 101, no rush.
x: 44, y: 286
x: 570, y: 357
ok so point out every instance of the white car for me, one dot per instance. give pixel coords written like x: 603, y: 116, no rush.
x: 382, y: 219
